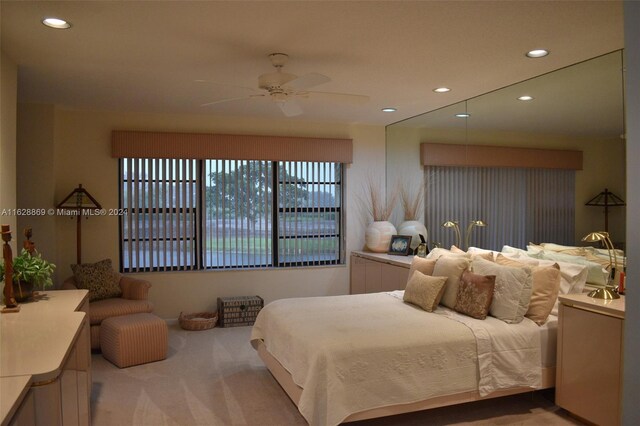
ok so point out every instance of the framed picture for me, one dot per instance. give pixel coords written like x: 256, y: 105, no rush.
x: 400, y: 245
x: 421, y: 251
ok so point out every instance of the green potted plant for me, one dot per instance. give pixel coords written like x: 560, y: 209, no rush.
x: 29, y: 272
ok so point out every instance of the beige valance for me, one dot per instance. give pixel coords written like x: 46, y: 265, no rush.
x: 438, y: 154
x: 139, y: 144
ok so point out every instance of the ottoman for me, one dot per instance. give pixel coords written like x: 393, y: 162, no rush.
x: 134, y: 339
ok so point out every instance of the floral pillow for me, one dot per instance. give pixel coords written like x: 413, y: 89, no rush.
x: 475, y: 294
x: 99, y: 278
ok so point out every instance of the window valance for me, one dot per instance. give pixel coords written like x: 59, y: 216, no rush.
x: 437, y: 154
x: 140, y: 144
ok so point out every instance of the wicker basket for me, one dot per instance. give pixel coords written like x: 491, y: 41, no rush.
x: 199, y: 321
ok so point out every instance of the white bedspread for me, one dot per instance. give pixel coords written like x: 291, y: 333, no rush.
x: 357, y: 352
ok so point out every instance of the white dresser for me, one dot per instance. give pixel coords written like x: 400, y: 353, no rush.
x: 45, y: 361
x: 376, y: 272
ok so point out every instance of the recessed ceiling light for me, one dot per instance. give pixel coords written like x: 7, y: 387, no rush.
x: 463, y: 115
x: 57, y: 23
x: 442, y: 90
x: 525, y: 98
x: 389, y: 109
x: 537, y: 53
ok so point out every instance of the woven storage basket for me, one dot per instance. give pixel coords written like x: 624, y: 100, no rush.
x: 198, y: 321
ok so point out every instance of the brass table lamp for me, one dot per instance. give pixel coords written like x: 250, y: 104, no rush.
x: 454, y: 224
x: 472, y: 225
x: 605, y: 292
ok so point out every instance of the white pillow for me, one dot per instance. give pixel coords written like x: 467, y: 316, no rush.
x: 595, y: 273
x: 509, y: 249
x: 512, y: 292
x: 573, y: 277
x: 439, y: 252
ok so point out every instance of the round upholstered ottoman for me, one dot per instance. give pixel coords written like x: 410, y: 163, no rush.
x: 134, y: 339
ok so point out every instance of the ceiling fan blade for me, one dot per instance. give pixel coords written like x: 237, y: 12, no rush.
x: 232, y: 99
x: 306, y: 81
x: 290, y: 108
x: 253, y: 89
x: 338, y: 97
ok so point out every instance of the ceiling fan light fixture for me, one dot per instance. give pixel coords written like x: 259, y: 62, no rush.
x: 57, y: 23
x: 441, y: 90
x: 537, y: 53
x: 389, y: 109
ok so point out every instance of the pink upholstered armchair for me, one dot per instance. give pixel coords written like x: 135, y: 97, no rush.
x: 133, y: 301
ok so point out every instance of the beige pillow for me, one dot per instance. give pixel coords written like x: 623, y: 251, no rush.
x: 546, y: 285
x: 451, y: 267
x: 475, y: 294
x: 512, y: 292
x: 424, y: 291
x: 99, y: 278
x: 421, y: 264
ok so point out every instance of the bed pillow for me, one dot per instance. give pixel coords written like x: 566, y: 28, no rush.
x: 99, y: 278
x: 424, y: 291
x: 512, y: 292
x: 451, y: 267
x: 546, y: 285
x: 595, y: 274
x: 423, y: 265
x: 475, y: 294
x: 438, y: 252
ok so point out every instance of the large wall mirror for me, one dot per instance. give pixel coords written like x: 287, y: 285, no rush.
x: 580, y: 107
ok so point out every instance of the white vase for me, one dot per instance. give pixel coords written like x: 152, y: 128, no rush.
x: 378, y: 236
x: 415, y: 229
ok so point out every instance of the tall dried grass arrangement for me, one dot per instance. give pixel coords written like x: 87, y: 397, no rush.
x: 411, y: 197
x: 377, y: 205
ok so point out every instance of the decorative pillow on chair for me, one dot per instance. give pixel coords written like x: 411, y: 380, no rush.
x: 424, y: 291
x: 99, y: 278
x: 475, y: 294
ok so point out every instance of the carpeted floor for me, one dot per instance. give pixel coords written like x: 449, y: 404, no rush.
x: 214, y: 377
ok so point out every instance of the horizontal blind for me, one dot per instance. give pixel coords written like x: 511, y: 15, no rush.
x: 159, y: 223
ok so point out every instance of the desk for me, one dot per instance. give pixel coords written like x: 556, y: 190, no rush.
x: 47, y: 344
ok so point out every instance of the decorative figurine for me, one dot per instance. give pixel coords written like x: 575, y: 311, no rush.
x: 9, y: 301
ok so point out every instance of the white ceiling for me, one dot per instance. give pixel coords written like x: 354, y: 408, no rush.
x: 146, y: 56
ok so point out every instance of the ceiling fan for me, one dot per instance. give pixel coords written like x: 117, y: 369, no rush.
x: 283, y: 88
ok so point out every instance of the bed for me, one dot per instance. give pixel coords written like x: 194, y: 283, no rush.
x: 354, y: 357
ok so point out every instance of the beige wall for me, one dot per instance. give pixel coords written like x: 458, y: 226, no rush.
x: 603, y: 162
x: 35, y: 173
x: 81, y: 154
x: 8, y: 95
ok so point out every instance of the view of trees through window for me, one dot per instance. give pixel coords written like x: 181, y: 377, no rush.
x: 190, y: 214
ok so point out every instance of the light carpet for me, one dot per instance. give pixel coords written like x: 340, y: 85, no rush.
x: 214, y: 377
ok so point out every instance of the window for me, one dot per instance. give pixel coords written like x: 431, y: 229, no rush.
x: 520, y: 205
x: 213, y: 214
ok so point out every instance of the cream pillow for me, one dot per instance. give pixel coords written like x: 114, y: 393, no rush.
x: 546, y: 284
x: 423, y: 265
x: 424, y: 291
x: 438, y: 252
x: 512, y: 292
x: 451, y: 267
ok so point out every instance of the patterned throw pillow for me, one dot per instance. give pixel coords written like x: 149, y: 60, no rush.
x: 475, y: 294
x: 99, y: 278
x: 424, y: 291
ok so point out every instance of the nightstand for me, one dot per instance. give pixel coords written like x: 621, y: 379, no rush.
x: 589, y: 361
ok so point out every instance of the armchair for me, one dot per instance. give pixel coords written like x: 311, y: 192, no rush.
x: 133, y: 301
